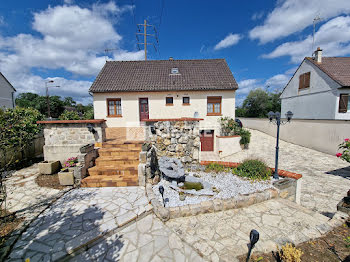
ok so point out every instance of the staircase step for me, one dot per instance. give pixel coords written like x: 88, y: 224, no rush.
x: 109, y: 171
x: 108, y: 182
x: 117, y: 153
x: 120, y: 164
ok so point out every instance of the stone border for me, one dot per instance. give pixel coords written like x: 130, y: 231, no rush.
x: 288, y: 188
x: 208, y: 206
x: 89, y: 121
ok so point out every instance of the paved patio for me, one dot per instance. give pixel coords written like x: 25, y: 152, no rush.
x: 79, y: 218
x: 326, y: 178
x: 109, y: 224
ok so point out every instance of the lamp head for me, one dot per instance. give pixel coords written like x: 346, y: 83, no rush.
x: 271, y: 115
x: 161, y: 190
x: 254, y: 237
x: 289, y: 115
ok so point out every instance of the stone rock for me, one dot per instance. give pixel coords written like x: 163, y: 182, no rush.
x: 186, y: 159
x: 155, y: 180
x: 183, y: 139
x: 171, y: 148
x: 171, y: 168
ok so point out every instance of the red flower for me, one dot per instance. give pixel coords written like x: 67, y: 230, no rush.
x: 346, y: 139
x: 339, y: 154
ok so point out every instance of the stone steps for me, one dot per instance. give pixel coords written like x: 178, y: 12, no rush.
x: 116, y: 166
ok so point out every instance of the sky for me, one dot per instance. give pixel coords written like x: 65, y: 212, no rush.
x: 263, y: 42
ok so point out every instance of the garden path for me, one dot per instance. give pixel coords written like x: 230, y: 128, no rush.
x: 77, y: 219
x: 326, y: 178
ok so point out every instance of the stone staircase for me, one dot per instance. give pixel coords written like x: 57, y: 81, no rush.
x: 117, y: 165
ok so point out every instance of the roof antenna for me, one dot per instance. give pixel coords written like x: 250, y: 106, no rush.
x: 108, y: 51
x: 316, y: 19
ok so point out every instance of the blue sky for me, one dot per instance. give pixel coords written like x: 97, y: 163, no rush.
x: 262, y: 41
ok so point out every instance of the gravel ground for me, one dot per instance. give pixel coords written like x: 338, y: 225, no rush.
x: 228, y: 185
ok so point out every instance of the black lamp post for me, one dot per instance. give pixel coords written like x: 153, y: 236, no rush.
x: 253, y: 238
x: 276, y: 118
x: 161, y: 191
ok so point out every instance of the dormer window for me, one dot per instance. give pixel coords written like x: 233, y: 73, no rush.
x: 174, y: 71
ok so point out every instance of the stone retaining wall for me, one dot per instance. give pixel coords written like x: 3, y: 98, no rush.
x: 64, y: 138
x: 288, y: 187
x: 86, y: 159
x: 175, y: 138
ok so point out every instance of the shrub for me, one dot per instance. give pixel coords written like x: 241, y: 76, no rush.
x: 245, y: 136
x: 69, y: 115
x: 253, y: 169
x: 89, y: 114
x: 345, y: 146
x: 228, y: 126
x: 215, y: 167
x: 288, y: 253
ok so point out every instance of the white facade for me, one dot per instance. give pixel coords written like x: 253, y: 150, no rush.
x: 159, y: 110
x: 6, y: 93
x: 319, y: 101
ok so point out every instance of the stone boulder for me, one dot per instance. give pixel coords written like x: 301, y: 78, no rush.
x: 171, y: 168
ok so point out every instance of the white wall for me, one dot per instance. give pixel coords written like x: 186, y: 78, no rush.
x: 5, y: 93
x: 319, y: 101
x: 321, y: 135
x: 158, y: 109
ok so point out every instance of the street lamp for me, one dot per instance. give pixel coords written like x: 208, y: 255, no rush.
x: 276, y: 118
x: 47, y: 97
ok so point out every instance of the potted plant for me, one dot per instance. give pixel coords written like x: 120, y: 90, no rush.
x: 49, y: 167
x: 66, y: 176
x: 245, y: 138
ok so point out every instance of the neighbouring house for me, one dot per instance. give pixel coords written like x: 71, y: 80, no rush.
x: 319, y: 89
x: 129, y: 93
x: 6, y: 93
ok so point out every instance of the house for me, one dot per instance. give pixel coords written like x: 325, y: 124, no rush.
x: 128, y: 93
x: 319, y: 89
x: 6, y: 93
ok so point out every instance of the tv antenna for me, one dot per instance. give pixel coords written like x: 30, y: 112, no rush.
x: 315, y: 21
x: 107, y: 50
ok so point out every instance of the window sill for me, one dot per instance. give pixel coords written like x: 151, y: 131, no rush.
x: 114, y: 116
x: 214, y: 114
x: 305, y: 88
x: 169, y: 104
x: 186, y: 104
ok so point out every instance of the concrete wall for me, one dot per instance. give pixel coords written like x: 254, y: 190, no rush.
x: 228, y: 145
x: 321, y: 135
x: 158, y: 109
x: 33, y: 150
x: 6, y: 93
x: 65, y: 140
x: 319, y: 101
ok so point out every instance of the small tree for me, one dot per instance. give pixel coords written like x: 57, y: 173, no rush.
x: 18, y: 128
x: 69, y: 115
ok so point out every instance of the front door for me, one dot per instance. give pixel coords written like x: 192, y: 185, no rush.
x: 144, y: 111
x: 207, y: 140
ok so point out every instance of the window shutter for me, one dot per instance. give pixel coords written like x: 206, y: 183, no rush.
x: 307, y: 80
x: 343, y: 103
x: 301, y: 81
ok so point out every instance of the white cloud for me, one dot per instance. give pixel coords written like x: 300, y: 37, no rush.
x: 333, y: 37
x: 291, y: 16
x: 245, y: 86
x: 68, y: 2
x: 258, y: 15
x: 229, y: 40
x: 70, y: 38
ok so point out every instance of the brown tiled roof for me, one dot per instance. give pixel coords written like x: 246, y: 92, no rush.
x: 155, y: 75
x: 337, y: 68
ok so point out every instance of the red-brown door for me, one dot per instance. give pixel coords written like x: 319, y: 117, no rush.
x: 144, y: 110
x: 207, y: 140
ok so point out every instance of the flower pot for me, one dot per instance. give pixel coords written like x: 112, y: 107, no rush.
x: 49, y: 167
x: 66, y: 178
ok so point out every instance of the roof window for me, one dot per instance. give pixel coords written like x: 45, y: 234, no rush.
x: 174, y: 71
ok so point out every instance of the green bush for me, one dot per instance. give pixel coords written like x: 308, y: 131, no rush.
x: 228, y: 126
x: 192, y: 185
x: 245, y: 136
x: 69, y: 115
x: 253, y: 169
x: 215, y: 167
x: 89, y: 114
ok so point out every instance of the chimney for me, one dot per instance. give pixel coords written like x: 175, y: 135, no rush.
x: 318, y: 55
x: 171, y: 58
